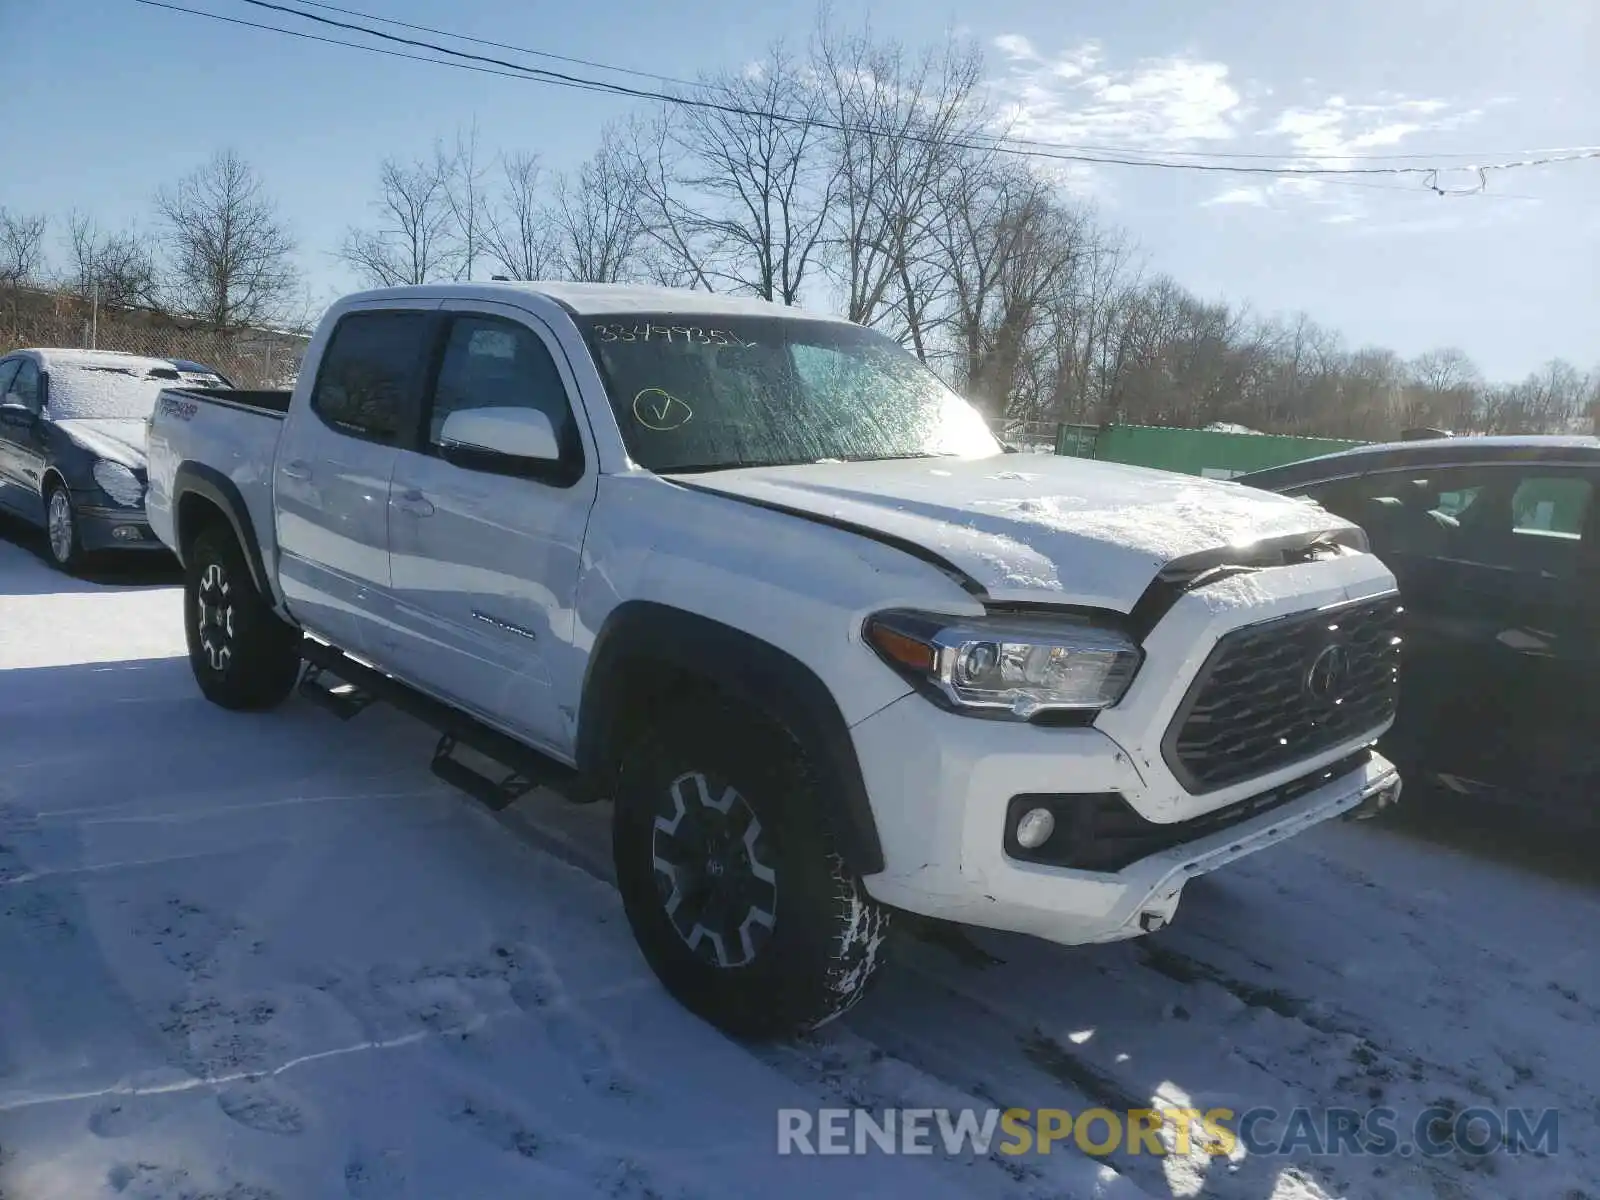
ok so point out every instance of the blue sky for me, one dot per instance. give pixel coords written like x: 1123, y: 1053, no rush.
x: 108, y: 99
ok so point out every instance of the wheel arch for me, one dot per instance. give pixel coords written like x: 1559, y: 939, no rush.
x: 647, y: 652
x: 203, y: 494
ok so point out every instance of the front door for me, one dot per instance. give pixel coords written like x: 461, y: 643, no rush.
x: 1495, y: 564
x: 22, y: 443
x: 334, y: 459
x: 13, y: 426
x: 485, y: 565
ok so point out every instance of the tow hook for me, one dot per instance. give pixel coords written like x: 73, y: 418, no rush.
x: 1385, y: 797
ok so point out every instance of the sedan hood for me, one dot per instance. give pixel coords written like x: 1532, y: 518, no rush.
x: 120, y: 441
x: 1035, y: 528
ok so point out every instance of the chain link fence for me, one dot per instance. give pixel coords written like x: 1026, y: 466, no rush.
x: 251, y: 358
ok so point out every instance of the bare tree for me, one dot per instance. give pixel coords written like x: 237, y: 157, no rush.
x: 740, y: 194
x: 117, y: 269
x: 517, y: 234
x: 230, y: 259
x: 464, y: 173
x: 594, y: 217
x: 1442, y: 389
x: 1009, y: 247
x: 410, y: 243
x: 21, y: 246
x: 901, y: 122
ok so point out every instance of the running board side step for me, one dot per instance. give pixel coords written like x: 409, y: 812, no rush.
x: 522, y: 768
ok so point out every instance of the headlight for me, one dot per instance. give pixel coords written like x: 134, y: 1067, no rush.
x: 121, y: 484
x: 1020, y: 665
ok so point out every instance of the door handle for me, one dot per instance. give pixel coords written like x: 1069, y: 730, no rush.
x: 415, y: 503
x: 296, y: 469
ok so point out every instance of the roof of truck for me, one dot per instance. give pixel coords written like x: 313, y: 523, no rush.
x: 601, y: 299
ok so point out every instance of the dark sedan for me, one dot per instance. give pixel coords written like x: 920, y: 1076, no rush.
x: 1496, y: 546
x: 72, y: 448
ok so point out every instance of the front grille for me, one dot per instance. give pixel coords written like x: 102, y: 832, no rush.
x: 1274, y: 694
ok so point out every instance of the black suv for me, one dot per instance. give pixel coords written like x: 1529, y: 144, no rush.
x: 1496, y: 546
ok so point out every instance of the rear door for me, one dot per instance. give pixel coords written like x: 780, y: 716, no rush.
x: 485, y: 564
x: 333, y: 463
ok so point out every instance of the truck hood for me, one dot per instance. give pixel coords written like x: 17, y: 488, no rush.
x: 115, y: 439
x: 1036, y: 529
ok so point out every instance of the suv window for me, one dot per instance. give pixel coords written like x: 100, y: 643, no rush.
x: 490, y: 362
x: 1501, y: 515
x: 7, y: 370
x: 372, y: 373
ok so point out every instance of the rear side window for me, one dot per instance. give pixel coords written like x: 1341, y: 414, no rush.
x: 372, y: 373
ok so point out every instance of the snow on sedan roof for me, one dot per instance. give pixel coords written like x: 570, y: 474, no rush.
x: 89, y: 360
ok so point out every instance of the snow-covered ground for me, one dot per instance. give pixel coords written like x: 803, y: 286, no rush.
x: 253, y: 957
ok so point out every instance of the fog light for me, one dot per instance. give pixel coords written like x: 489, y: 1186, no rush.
x: 1035, y: 828
x: 127, y: 533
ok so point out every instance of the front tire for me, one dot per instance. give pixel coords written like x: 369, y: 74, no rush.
x: 61, y: 530
x: 243, y: 656
x: 735, y: 892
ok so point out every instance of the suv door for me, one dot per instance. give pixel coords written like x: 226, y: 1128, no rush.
x: 1496, y: 568
x: 484, y: 562
x: 334, y: 458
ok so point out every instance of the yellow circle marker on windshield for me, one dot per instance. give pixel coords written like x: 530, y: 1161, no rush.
x: 656, y: 409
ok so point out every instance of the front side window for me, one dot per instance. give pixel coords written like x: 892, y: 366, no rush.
x: 696, y: 393
x: 25, y: 387
x: 494, y: 363
x: 1499, y: 515
x: 372, y: 373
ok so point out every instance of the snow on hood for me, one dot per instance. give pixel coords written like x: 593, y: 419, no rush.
x: 1043, y: 529
x: 111, y: 438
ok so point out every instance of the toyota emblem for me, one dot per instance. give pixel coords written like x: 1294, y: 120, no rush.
x: 1325, y: 678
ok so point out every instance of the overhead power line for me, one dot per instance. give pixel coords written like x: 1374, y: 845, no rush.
x: 478, y: 41
x: 1432, y: 156
x: 486, y: 65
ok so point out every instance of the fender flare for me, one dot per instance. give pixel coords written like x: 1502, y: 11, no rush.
x: 751, y: 671
x: 197, y: 479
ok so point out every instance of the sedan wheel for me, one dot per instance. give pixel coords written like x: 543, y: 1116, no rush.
x: 63, y: 529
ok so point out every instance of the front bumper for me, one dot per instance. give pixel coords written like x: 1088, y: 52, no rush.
x: 941, y: 812
x: 102, y: 527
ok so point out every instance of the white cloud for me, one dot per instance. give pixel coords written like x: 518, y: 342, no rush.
x: 1187, y: 105
x: 1337, y: 132
x: 1074, y: 97
x: 1253, y: 197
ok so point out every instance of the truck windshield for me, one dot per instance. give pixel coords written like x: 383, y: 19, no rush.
x: 703, y: 393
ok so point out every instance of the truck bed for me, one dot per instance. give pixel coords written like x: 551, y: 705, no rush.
x: 264, y: 400
x: 226, y: 432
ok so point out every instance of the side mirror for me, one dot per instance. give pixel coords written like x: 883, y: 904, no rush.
x: 524, y: 434
x: 15, y: 412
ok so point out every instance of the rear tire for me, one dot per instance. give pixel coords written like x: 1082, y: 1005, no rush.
x: 243, y: 656
x: 737, y: 897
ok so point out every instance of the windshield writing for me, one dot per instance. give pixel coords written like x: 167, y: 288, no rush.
x: 763, y: 391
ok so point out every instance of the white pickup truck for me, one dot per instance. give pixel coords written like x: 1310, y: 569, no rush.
x: 761, y: 580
